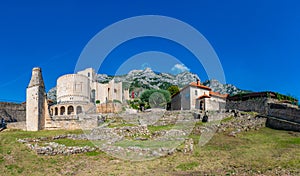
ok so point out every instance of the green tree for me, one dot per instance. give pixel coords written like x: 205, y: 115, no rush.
x: 173, y: 90
x: 156, y: 98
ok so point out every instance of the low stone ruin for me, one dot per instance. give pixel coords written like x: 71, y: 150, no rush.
x: 108, y: 138
x: 53, y: 148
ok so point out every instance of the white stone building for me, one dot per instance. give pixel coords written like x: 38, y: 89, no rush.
x: 197, y: 96
x: 79, y: 92
x: 76, y: 96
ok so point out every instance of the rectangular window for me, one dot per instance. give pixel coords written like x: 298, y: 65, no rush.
x: 78, y: 87
x: 196, y: 93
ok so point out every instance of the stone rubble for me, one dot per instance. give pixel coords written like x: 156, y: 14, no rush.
x: 53, y: 148
x: 235, y: 123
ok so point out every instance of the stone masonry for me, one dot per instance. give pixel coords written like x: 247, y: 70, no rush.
x: 35, y: 101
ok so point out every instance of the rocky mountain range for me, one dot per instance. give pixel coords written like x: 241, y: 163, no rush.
x: 230, y: 89
x: 149, y: 79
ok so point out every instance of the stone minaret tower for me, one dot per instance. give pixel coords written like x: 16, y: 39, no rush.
x: 35, y: 102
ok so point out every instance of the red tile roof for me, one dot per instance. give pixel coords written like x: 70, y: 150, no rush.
x: 217, y: 94
x: 203, y: 96
x: 194, y: 84
x: 199, y: 86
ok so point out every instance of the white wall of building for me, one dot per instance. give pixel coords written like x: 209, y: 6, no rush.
x: 73, y: 87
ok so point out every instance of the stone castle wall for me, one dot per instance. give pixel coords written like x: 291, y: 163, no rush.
x: 12, y: 112
x: 284, y: 112
x: 279, y: 115
x: 259, y: 105
x: 280, y: 124
x: 17, y: 125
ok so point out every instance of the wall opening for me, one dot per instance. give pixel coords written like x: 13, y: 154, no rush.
x: 55, y: 111
x: 62, y: 110
x: 78, y: 110
x: 70, y: 110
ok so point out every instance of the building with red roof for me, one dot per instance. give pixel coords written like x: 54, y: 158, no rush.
x: 197, y: 96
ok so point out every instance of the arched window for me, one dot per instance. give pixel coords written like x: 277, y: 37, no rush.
x: 62, y: 110
x: 55, y: 111
x: 70, y: 110
x: 78, y: 110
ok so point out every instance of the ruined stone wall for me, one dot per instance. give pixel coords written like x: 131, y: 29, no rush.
x: 280, y: 124
x: 86, y: 123
x: 280, y: 115
x: 109, y: 108
x: 285, y: 112
x: 12, y: 112
x: 259, y: 105
x: 17, y: 125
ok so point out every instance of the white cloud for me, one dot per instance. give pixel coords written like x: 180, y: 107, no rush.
x: 179, y: 68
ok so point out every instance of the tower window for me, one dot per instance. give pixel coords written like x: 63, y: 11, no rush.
x: 89, y: 74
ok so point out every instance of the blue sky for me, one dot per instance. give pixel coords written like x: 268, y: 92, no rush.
x: 257, y: 41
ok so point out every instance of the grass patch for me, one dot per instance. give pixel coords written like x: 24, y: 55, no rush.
x: 147, y: 144
x: 93, y: 153
x: 227, y: 119
x: 261, y: 152
x: 14, y: 169
x: 152, y: 128
x: 249, y: 113
x: 187, y: 166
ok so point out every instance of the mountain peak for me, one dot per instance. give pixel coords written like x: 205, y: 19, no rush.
x: 148, y: 69
x: 216, y: 86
